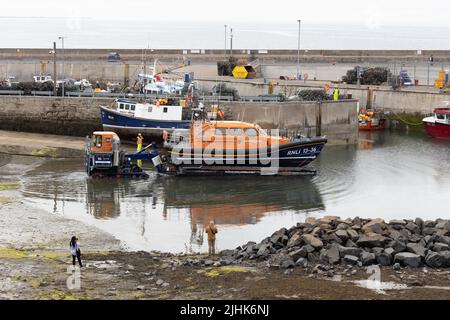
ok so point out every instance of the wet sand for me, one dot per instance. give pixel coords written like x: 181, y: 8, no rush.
x: 35, y: 261
x: 40, y: 145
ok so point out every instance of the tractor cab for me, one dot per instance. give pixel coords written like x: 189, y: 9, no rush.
x: 104, y: 142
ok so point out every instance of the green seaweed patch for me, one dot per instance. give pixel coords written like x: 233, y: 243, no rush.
x: 33, y: 281
x: 215, y: 272
x: 11, y: 253
x: 138, y: 294
x: 8, y: 185
x: 59, y: 295
x: 45, y: 152
x: 5, y: 200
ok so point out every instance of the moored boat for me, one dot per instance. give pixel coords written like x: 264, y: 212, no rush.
x: 129, y: 118
x: 370, y: 121
x: 438, y: 125
x: 228, y: 147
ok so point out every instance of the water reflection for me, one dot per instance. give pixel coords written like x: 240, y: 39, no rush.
x: 388, y: 175
x: 171, y: 212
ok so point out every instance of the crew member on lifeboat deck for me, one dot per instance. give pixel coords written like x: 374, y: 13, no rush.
x: 139, y: 147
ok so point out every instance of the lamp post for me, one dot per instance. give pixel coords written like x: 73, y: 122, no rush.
x: 54, y: 68
x: 298, y: 50
x: 231, y: 42
x: 62, y: 68
x: 225, y: 51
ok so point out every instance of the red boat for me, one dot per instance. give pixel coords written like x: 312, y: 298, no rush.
x: 438, y: 125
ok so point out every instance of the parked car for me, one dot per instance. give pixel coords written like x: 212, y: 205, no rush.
x: 113, y: 56
x: 405, y: 78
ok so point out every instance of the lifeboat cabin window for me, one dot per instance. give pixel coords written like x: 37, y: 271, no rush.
x: 132, y: 107
x: 127, y: 107
x: 150, y: 109
x: 235, y: 132
x: 440, y: 116
x: 220, y: 131
x: 98, y: 141
x: 121, y: 106
x: 165, y: 109
x: 251, y: 132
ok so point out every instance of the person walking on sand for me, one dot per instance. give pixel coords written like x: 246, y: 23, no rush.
x: 211, y: 230
x: 75, y: 251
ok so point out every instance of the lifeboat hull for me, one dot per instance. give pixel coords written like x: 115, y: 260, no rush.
x: 293, y: 156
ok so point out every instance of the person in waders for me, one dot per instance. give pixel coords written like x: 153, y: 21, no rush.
x: 140, y: 139
x: 211, y: 230
x: 75, y: 251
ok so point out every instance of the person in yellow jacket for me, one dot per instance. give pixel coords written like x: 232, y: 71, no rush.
x: 336, y: 94
x: 140, y: 139
x: 211, y: 230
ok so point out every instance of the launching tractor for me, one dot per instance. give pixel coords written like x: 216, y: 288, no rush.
x: 104, y: 157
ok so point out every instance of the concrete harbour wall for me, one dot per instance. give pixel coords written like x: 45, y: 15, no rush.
x: 81, y: 116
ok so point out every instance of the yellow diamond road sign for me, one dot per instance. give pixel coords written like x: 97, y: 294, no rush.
x: 240, y: 72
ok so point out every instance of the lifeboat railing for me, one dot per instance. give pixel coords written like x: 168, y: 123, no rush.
x: 171, y: 139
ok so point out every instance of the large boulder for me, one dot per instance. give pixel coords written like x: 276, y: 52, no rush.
x: 313, y: 241
x: 330, y: 255
x: 384, y: 259
x: 280, y: 260
x: 263, y: 250
x: 277, y: 236
x: 295, y: 240
x: 397, y: 224
x: 416, y: 248
x: 353, y: 234
x: 351, y: 259
x: 342, y: 234
x: 372, y: 240
x: 429, y: 224
x: 439, y: 246
x: 311, y: 221
x: 343, y: 251
x: 368, y: 258
x: 443, y: 239
x: 297, y: 254
x: 411, y: 226
x: 408, y: 259
x: 374, y: 226
x: 328, y: 219
x: 397, y: 246
x: 443, y: 224
x: 434, y: 260
x: 446, y: 255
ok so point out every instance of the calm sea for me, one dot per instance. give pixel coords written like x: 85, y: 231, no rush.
x: 101, y: 33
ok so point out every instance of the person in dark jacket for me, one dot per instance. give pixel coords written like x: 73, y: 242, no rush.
x: 75, y: 251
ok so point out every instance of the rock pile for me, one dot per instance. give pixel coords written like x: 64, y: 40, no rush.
x: 360, y: 242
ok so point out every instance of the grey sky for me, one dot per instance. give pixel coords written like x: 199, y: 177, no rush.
x: 371, y: 13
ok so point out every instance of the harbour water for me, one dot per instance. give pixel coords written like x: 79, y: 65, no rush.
x: 388, y: 174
